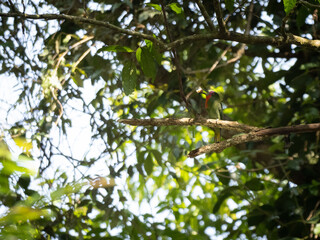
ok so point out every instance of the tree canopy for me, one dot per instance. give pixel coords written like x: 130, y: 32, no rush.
x: 85, y: 71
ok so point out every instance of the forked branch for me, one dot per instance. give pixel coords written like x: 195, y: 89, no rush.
x: 252, y: 134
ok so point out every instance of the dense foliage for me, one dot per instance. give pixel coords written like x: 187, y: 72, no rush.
x: 69, y: 170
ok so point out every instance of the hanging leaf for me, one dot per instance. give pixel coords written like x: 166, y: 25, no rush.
x: 176, y: 8
x: 157, y: 155
x: 254, y: 184
x: 154, y: 50
x: 148, y: 164
x: 144, y: 57
x: 289, y: 5
x: 129, y: 78
x: 229, y: 5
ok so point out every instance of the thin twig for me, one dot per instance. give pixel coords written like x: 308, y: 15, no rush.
x: 176, y: 59
x: 238, y: 55
x: 307, y: 4
x: 217, y: 8
x: 60, y: 106
x: 205, y: 15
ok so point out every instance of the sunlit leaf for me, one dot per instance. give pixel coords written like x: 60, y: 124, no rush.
x: 155, y: 6
x: 289, y: 5
x: 115, y: 48
x: 176, y: 8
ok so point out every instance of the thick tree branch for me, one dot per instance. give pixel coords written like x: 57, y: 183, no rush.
x: 219, y: 147
x: 254, y: 136
x: 232, y: 125
x: 231, y: 36
x: 249, y: 39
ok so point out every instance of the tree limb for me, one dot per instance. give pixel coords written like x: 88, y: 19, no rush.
x: 249, y: 39
x: 231, y: 36
x: 254, y: 136
x: 232, y: 125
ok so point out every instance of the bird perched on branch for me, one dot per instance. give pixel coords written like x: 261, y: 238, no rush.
x: 213, y: 109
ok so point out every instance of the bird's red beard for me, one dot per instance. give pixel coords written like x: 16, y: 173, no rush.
x: 207, y: 99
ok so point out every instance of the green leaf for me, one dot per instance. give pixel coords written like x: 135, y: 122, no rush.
x: 115, y: 48
x: 76, y: 77
x: 157, y: 155
x: 224, y: 177
x: 254, y: 184
x: 148, y: 164
x: 129, y: 77
x: 155, y: 6
x: 176, y: 8
x: 157, y: 56
x: 289, y: 5
x: 317, y: 229
x: 302, y: 14
x: 221, y: 199
x: 229, y: 5
x: 147, y: 63
x: 24, y: 181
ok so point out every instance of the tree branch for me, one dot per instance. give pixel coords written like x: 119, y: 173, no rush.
x: 219, y: 147
x: 249, y: 39
x: 85, y: 20
x: 310, y: 5
x: 232, y: 125
x: 254, y: 134
x: 231, y: 36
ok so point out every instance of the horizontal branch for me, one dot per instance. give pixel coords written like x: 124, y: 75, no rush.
x: 84, y: 20
x: 219, y: 147
x: 231, y: 125
x: 248, y: 39
x: 231, y: 36
x: 254, y: 136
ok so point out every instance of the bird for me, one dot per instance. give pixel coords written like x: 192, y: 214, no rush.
x: 213, y: 107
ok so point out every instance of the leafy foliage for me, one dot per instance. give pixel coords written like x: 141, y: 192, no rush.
x: 73, y: 172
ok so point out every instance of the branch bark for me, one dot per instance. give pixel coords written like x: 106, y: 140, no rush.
x: 253, y: 134
x: 231, y: 36
x: 231, y: 125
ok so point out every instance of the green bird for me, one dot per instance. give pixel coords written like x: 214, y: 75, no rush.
x: 213, y: 108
